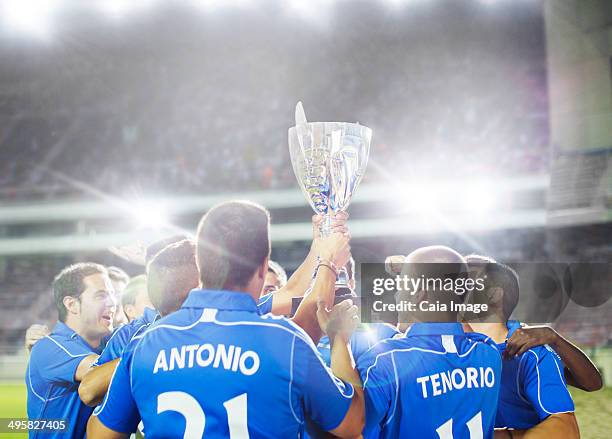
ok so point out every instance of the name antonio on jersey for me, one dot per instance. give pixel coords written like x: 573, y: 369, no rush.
x: 231, y: 358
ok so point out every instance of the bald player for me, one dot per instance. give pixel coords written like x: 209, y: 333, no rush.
x: 437, y: 380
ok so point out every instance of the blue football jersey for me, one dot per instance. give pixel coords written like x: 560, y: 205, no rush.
x: 532, y: 387
x: 364, y: 337
x: 122, y: 336
x: 52, y: 389
x: 437, y: 381
x: 264, y: 304
x: 214, y: 367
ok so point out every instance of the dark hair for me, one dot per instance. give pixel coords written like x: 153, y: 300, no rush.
x: 171, y: 274
x: 233, y: 240
x: 504, y: 277
x: 69, y: 282
x: 134, y: 286
x: 117, y: 274
x: 157, y: 246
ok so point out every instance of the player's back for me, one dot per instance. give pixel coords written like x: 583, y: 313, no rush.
x: 436, y: 382
x: 225, y: 372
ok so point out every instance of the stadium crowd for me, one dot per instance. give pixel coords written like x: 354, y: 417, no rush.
x: 215, y: 312
x: 114, y: 134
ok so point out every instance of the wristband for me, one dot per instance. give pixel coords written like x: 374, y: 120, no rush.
x: 329, y: 264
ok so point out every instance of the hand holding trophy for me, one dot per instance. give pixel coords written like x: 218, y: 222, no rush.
x: 329, y: 160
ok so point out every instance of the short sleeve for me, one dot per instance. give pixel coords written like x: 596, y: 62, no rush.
x: 324, y: 349
x: 57, y: 360
x: 325, y: 398
x: 543, y: 383
x: 264, y: 304
x: 366, y: 337
x: 379, y: 385
x: 118, y: 411
x: 115, y: 345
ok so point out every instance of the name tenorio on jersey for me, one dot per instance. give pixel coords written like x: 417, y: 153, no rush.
x: 456, y: 379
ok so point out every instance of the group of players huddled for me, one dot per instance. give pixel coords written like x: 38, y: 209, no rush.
x: 211, y: 345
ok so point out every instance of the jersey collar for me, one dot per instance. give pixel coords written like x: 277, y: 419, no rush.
x: 512, y: 326
x: 150, y: 315
x: 220, y: 299
x: 64, y: 330
x: 435, y: 329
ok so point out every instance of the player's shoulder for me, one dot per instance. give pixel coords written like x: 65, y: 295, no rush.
x: 121, y: 333
x: 384, y: 330
x: 480, y: 342
x: 59, y: 344
x: 539, y: 354
x: 380, y: 352
x: 283, y: 325
x: 125, y: 333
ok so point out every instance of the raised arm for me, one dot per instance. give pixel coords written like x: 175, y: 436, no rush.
x: 301, y: 278
x: 338, y: 324
x: 333, y: 251
x: 580, y: 371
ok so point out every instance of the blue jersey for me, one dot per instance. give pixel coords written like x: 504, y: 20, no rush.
x: 532, y: 387
x: 122, y: 336
x: 264, y: 304
x: 51, y: 385
x: 436, y: 381
x: 364, y: 337
x: 214, y: 367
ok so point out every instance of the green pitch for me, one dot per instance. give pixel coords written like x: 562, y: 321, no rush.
x: 594, y: 410
x: 12, y: 405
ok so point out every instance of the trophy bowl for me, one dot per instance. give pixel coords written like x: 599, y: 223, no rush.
x: 329, y: 160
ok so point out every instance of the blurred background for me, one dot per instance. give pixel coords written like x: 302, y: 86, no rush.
x: 122, y: 121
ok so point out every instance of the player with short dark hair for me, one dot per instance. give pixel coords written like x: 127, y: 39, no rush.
x: 533, y: 395
x: 84, y: 299
x: 172, y: 273
x: 155, y: 247
x: 170, y: 375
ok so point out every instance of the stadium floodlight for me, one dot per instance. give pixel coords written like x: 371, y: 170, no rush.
x: 312, y: 10
x: 28, y: 16
x: 210, y: 5
x: 150, y: 215
x: 399, y: 3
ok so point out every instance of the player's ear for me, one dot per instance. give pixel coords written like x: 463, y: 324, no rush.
x: 496, y: 295
x: 263, y: 269
x: 72, y: 304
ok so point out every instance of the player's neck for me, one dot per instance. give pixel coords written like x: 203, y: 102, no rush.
x: 76, y: 326
x: 497, y: 331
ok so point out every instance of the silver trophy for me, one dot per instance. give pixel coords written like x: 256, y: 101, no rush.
x: 329, y: 159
